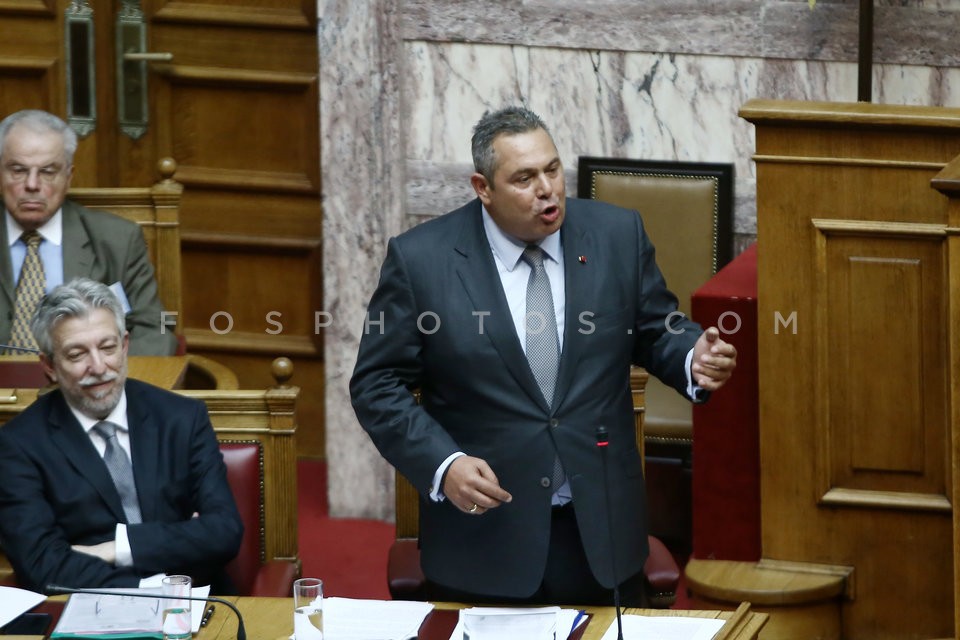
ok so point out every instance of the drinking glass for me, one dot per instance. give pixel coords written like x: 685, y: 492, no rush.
x: 308, y: 609
x: 176, y: 612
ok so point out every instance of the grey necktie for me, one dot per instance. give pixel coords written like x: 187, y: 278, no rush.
x: 543, y: 342
x: 118, y: 464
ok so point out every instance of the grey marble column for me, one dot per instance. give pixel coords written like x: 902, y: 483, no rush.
x: 363, y: 185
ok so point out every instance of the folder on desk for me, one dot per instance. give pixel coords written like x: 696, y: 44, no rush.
x: 89, y: 615
x: 115, y: 617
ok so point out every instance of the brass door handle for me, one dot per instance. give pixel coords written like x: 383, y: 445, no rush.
x: 133, y: 109
x: 148, y: 56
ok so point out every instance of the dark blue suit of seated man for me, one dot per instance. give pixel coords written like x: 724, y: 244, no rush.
x: 105, y: 481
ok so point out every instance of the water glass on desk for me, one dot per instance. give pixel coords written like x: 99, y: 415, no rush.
x: 308, y: 609
x: 176, y: 612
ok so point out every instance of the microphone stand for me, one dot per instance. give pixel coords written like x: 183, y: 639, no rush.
x: 602, y: 442
x: 241, y: 632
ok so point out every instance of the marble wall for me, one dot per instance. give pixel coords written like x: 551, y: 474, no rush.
x: 403, y: 82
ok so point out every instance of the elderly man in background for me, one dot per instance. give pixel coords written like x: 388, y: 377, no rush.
x: 46, y: 239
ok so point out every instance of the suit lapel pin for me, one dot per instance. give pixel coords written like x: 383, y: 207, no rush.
x: 582, y: 259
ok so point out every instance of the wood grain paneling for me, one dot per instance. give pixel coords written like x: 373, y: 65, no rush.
x: 27, y: 84
x: 872, y: 287
x: 947, y: 182
x: 214, y: 152
x: 266, y: 294
x: 854, y: 409
x: 277, y: 14
x: 28, y: 7
x: 241, y: 103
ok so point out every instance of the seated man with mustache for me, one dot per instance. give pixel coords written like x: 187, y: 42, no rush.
x: 106, y: 481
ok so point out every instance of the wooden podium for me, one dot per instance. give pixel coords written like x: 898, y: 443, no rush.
x: 859, y: 366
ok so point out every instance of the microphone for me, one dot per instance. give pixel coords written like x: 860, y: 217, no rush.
x: 602, y: 441
x: 16, y: 348
x: 56, y: 589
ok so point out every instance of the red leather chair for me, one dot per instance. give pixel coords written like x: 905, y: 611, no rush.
x: 406, y: 580
x: 251, y: 575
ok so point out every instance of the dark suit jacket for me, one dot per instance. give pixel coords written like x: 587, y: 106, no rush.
x: 106, y: 248
x: 479, y: 395
x: 55, y: 491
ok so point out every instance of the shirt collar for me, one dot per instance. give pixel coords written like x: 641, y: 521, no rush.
x: 51, y: 230
x: 509, y: 249
x: 118, y: 416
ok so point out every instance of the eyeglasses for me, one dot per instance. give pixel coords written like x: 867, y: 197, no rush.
x: 46, y: 175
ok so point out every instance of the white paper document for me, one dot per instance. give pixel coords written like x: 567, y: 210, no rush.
x: 516, y: 623
x: 355, y: 619
x: 197, y: 608
x: 14, y: 601
x: 664, y: 628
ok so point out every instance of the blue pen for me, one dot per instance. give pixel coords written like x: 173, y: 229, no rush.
x: 577, y: 620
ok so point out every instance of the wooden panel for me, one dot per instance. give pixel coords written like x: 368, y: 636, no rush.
x: 30, y: 76
x: 255, y: 218
x: 27, y: 84
x: 20, y: 7
x: 866, y: 277
x: 267, y: 290
x: 948, y: 183
x: 237, y: 108
x: 853, y: 328
x: 213, y: 151
x: 256, y: 277
x: 266, y: 13
x: 895, y: 441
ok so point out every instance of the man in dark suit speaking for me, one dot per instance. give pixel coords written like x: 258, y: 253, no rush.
x: 68, y: 240
x: 106, y: 481
x: 517, y: 317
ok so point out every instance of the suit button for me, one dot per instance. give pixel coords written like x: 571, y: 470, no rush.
x: 545, y: 482
x: 554, y: 422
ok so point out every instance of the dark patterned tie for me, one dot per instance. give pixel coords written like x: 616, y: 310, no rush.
x: 118, y: 464
x: 543, y: 342
x: 30, y: 288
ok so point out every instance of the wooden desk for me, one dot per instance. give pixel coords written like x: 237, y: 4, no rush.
x: 166, y: 372
x: 272, y: 619
x: 162, y: 371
